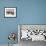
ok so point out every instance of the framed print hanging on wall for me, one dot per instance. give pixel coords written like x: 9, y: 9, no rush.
x: 10, y: 12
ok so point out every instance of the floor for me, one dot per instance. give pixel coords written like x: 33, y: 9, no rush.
x: 30, y: 43
x: 7, y: 45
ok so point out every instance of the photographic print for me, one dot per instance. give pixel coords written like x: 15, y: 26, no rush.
x: 32, y: 32
x: 10, y: 12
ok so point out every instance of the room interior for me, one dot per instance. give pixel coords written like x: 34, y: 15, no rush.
x: 28, y: 12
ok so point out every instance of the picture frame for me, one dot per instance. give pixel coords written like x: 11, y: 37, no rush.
x: 33, y: 30
x: 10, y: 12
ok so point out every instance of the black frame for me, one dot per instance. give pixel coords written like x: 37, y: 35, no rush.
x: 10, y: 17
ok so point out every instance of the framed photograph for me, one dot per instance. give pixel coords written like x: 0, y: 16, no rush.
x: 33, y: 32
x: 10, y: 12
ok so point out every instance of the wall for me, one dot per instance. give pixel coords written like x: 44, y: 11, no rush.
x: 28, y: 12
x: 8, y: 25
x: 33, y: 12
